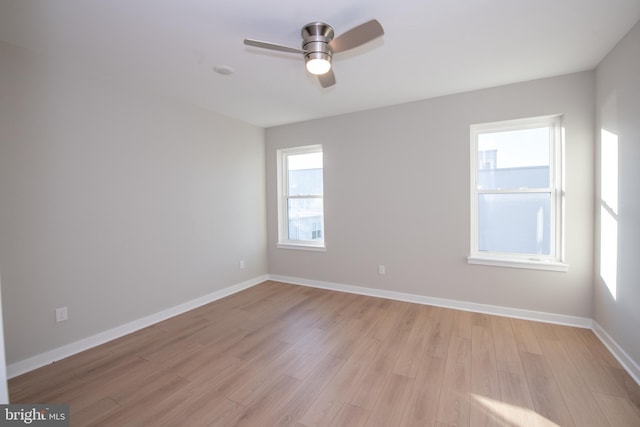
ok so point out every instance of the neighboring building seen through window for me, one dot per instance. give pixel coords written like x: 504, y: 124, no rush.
x: 516, y: 191
x: 301, y: 210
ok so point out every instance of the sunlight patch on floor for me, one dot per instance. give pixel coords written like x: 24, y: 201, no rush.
x: 515, y: 416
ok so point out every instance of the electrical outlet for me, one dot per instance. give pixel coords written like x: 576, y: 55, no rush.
x: 382, y: 269
x: 241, y: 264
x: 61, y: 314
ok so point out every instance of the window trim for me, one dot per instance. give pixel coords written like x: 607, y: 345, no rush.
x: 282, y: 182
x: 554, y: 261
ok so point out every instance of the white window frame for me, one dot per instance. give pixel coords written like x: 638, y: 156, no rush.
x: 554, y: 261
x: 283, y: 197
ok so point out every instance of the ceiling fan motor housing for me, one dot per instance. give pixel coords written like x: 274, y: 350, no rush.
x: 315, y: 40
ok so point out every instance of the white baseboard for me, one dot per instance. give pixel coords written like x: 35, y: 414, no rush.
x: 67, y: 350
x: 631, y: 367
x: 560, y: 319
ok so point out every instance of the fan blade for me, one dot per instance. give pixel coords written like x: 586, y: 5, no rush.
x: 327, y: 79
x: 357, y: 36
x: 272, y: 46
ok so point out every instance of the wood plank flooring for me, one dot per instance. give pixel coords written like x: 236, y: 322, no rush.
x: 279, y: 354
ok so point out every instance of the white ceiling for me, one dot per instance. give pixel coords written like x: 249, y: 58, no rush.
x: 430, y: 47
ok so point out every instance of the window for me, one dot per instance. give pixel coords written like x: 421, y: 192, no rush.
x: 516, y: 193
x: 300, y: 198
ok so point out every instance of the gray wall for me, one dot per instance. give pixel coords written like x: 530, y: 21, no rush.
x: 115, y: 203
x: 618, y: 112
x: 397, y: 193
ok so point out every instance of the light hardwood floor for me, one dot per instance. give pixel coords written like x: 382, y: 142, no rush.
x: 279, y: 354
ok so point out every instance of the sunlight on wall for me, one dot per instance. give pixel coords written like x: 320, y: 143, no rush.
x: 608, y: 250
x: 609, y: 170
x: 516, y: 416
x: 609, y: 210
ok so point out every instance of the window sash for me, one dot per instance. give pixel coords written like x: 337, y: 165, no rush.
x: 508, y: 214
x: 304, y: 217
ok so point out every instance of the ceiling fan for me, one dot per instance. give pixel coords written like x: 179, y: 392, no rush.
x: 318, y: 46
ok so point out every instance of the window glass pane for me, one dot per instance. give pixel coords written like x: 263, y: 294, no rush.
x: 514, y: 159
x: 304, y: 218
x: 304, y: 174
x: 518, y: 223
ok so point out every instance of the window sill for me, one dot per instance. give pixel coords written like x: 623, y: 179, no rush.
x: 518, y: 263
x: 301, y: 247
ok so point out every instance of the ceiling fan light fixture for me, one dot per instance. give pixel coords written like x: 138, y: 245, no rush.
x: 319, y: 66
